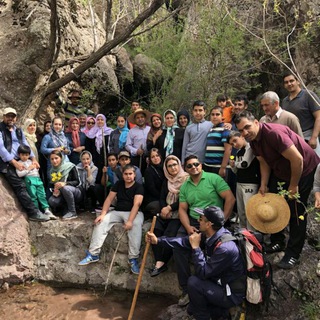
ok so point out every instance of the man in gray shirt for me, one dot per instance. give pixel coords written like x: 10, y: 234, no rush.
x: 195, y: 135
x: 270, y: 103
x: 306, y: 107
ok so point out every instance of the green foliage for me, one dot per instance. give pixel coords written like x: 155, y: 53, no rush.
x: 88, y: 95
x: 311, y: 310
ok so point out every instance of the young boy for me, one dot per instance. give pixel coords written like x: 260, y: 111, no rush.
x: 33, y: 181
x: 195, y: 135
x: 218, y: 150
x: 246, y: 167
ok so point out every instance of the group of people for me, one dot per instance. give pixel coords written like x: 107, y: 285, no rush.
x: 174, y: 168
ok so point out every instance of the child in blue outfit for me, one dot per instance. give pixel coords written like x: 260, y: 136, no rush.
x: 33, y: 181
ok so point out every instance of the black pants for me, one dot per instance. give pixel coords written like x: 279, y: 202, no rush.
x: 19, y: 188
x: 297, y: 226
x: 168, y: 228
x: 182, y: 256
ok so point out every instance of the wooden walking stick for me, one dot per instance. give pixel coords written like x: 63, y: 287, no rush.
x: 104, y: 150
x: 144, y: 259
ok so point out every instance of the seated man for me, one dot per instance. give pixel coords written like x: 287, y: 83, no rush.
x: 200, y: 190
x: 219, y: 282
x: 129, y: 198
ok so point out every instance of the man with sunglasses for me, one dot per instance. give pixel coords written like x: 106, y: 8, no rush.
x: 200, y: 190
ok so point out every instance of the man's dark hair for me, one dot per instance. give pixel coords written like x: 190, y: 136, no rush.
x: 217, y: 108
x: 199, y: 103
x: 287, y: 74
x: 192, y: 156
x: 232, y: 134
x: 241, y: 97
x: 244, y: 114
x: 110, y: 154
x: 24, y: 149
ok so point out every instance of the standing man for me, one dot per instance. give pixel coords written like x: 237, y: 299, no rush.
x: 137, y: 138
x: 270, y: 103
x: 11, y: 138
x: 305, y: 107
x: 284, y: 157
x: 219, y: 282
x: 135, y: 105
x: 200, y: 190
x: 195, y: 135
x: 73, y: 109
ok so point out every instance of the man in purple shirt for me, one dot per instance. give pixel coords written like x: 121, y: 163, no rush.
x: 10, y: 139
x: 284, y: 157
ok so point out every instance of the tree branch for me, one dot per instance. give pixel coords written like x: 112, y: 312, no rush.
x: 105, y: 49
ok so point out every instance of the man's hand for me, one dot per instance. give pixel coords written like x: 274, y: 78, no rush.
x: 128, y: 225
x: 140, y: 152
x: 191, y: 230
x: 98, y: 219
x: 194, y: 240
x: 313, y: 142
x: 151, y: 238
x: 293, y: 190
x: 263, y: 189
x: 19, y: 166
x: 35, y: 163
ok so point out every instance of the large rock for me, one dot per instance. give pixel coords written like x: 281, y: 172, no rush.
x: 60, y: 245
x: 16, y: 260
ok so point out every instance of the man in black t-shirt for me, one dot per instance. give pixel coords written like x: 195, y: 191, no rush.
x: 129, y: 198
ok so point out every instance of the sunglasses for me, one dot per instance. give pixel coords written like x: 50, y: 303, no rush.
x: 90, y: 122
x: 172, y: 165
x: 195, y: 164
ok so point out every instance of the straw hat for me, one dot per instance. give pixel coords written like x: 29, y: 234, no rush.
x: 269, y: 213
x: 132, y: 117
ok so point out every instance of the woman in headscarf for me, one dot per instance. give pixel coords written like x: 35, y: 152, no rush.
x: 171, y: 139
x: 155, y: 130
x: 97, y: 143
x: 88, y: 174
x: 29, y: 129
x: 66, y: 185
x: 118, y: 137
x: 90, y: 122
x: 55, y: 140
x: 183, y: 118
x: 168, y: 223
x: 153, y: 179
x: 76, y: 139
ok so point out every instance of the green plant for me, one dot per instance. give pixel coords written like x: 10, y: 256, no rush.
x: 311, y: 310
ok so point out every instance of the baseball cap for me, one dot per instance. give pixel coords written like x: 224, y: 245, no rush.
x: 213, y: 214
x: 123, y: 154
x: 9, y: 110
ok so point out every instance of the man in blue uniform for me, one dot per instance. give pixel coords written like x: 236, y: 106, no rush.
x: 219, y: 282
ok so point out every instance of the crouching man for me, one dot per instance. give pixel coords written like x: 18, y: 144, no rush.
x: 219, y: 282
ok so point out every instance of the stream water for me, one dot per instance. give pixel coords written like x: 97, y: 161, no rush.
x: 38, y: 301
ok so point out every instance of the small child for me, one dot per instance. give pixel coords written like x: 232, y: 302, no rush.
x: 33, y: 181
x: 247, y: 169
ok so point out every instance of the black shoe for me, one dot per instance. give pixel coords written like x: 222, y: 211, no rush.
x: 274, y: 247
x: 156, y: 271
x: 288, y: 262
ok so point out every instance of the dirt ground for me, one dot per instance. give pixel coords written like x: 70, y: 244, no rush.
x: 37, y: 301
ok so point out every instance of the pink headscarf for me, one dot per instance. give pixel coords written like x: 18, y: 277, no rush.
x: 74, y: 133
x: 86, y: 129
x: 96, y: 132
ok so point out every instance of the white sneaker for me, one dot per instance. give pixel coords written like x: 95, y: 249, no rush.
x: 48, y: 213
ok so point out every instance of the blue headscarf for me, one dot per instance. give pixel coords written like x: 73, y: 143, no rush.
x: 123, y: 135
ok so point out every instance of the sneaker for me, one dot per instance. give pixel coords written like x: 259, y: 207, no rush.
x: 274, y: 247
x: 51, y: 216
x: 88, y: 259
x: 134, y: 265
x: 39, y: 216
x: 69, y: 216
x: 288, y: 262
x: 184, y: 300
